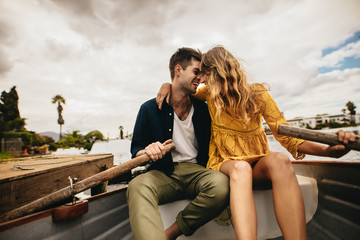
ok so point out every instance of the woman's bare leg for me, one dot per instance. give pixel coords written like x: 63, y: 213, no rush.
x: 242, y: 203
x: 288, y: 199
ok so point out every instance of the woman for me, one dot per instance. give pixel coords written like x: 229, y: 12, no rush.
x: 239, y: 147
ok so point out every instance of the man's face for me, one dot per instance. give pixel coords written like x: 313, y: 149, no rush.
x: 190, y: 78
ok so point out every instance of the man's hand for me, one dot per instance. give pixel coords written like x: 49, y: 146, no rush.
x: 156, y: 150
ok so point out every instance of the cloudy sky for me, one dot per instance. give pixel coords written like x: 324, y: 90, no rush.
x: 106, y: 57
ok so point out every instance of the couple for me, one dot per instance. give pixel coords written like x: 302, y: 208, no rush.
x: 221, y: 151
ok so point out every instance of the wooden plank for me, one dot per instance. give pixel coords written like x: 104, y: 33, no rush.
x: 42, y: 164
x: 80, y: 186
x: 19, y: 187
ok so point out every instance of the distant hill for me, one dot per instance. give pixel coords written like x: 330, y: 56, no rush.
x: 53, y: 135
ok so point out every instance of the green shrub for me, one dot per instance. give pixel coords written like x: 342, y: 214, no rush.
x: 26, y: 137
x: 5, y: 155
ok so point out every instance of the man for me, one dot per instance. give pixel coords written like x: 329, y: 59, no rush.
x: 181, y: 173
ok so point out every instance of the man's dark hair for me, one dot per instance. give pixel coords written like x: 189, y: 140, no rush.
x: 183, y: 57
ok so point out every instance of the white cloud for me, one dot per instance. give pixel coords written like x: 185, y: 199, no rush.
x: 336, y: 58
x: 107, y: 57
x: 326, y: 93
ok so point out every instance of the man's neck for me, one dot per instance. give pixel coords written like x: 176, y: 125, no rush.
x: 181, y: 103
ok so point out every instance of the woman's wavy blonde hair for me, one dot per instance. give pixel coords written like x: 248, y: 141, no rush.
x: 228, y: 85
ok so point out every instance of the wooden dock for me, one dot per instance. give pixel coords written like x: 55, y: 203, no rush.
x: 23, y: 181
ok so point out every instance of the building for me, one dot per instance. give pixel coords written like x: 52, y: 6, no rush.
x: 318, y: 120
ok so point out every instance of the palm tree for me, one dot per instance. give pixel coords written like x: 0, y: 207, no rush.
x: 59, y: 99
x: 351, y: 107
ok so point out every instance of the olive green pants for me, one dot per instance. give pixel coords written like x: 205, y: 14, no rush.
x: 208, y: 190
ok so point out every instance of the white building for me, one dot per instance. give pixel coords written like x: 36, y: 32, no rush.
x: 318, y: 120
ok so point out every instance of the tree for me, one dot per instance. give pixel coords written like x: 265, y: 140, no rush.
x: 91, y: 138
x: 39, y: 140
x: 73, y: 139
x: 10, y: 119
x: 351, y: 108
x: 94, y: 135
x: 59, y: 99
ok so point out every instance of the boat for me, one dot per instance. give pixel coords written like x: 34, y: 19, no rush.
x: 338, y: 212
x: 331, y: 194
x: 331, y: 191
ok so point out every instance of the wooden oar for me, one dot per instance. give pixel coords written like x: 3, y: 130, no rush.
x: 80, y: 186
x: 316, y: 136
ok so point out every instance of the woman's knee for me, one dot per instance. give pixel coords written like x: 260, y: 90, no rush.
x: 279, y: 164
x: 241, y: 170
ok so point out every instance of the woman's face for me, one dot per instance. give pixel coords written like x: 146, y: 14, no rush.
x: 203, y: 77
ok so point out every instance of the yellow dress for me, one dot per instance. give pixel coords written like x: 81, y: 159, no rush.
x: 236, y: 140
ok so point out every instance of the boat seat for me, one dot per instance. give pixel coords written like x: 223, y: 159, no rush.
x: 267, y: 224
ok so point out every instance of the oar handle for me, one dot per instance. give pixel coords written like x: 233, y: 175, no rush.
x: 316, y: 136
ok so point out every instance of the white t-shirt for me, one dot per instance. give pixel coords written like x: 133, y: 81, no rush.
x: 184, y: 139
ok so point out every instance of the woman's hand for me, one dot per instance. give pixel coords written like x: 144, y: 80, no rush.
x: 346, y: 136
x: 164, y: 92
x: 339, y: 150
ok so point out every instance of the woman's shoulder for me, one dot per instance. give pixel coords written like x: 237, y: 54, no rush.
x: 202, y: 93
x: 261, y: 94
x: 260, y: 87
x: 202, y: 89
x: 260, y: 90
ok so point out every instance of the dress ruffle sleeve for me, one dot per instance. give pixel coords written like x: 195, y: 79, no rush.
x: 274, y: 118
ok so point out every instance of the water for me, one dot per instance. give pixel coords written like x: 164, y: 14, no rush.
x: 352, y: 156
x: 120, y: 148
x: 69, y: 151
x: 275, y: 146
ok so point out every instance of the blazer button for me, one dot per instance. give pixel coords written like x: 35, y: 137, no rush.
x: 170, y: 114
x: 169, y: 129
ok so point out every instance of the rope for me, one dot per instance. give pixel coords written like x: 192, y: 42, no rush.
x: 24, y: 167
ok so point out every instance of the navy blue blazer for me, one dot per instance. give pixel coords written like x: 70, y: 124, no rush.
x: 154, y: 125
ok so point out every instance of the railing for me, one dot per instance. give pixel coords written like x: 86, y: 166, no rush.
x: 11, y: 146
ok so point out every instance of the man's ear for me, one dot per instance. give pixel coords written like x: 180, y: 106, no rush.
x: 178, y: 69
